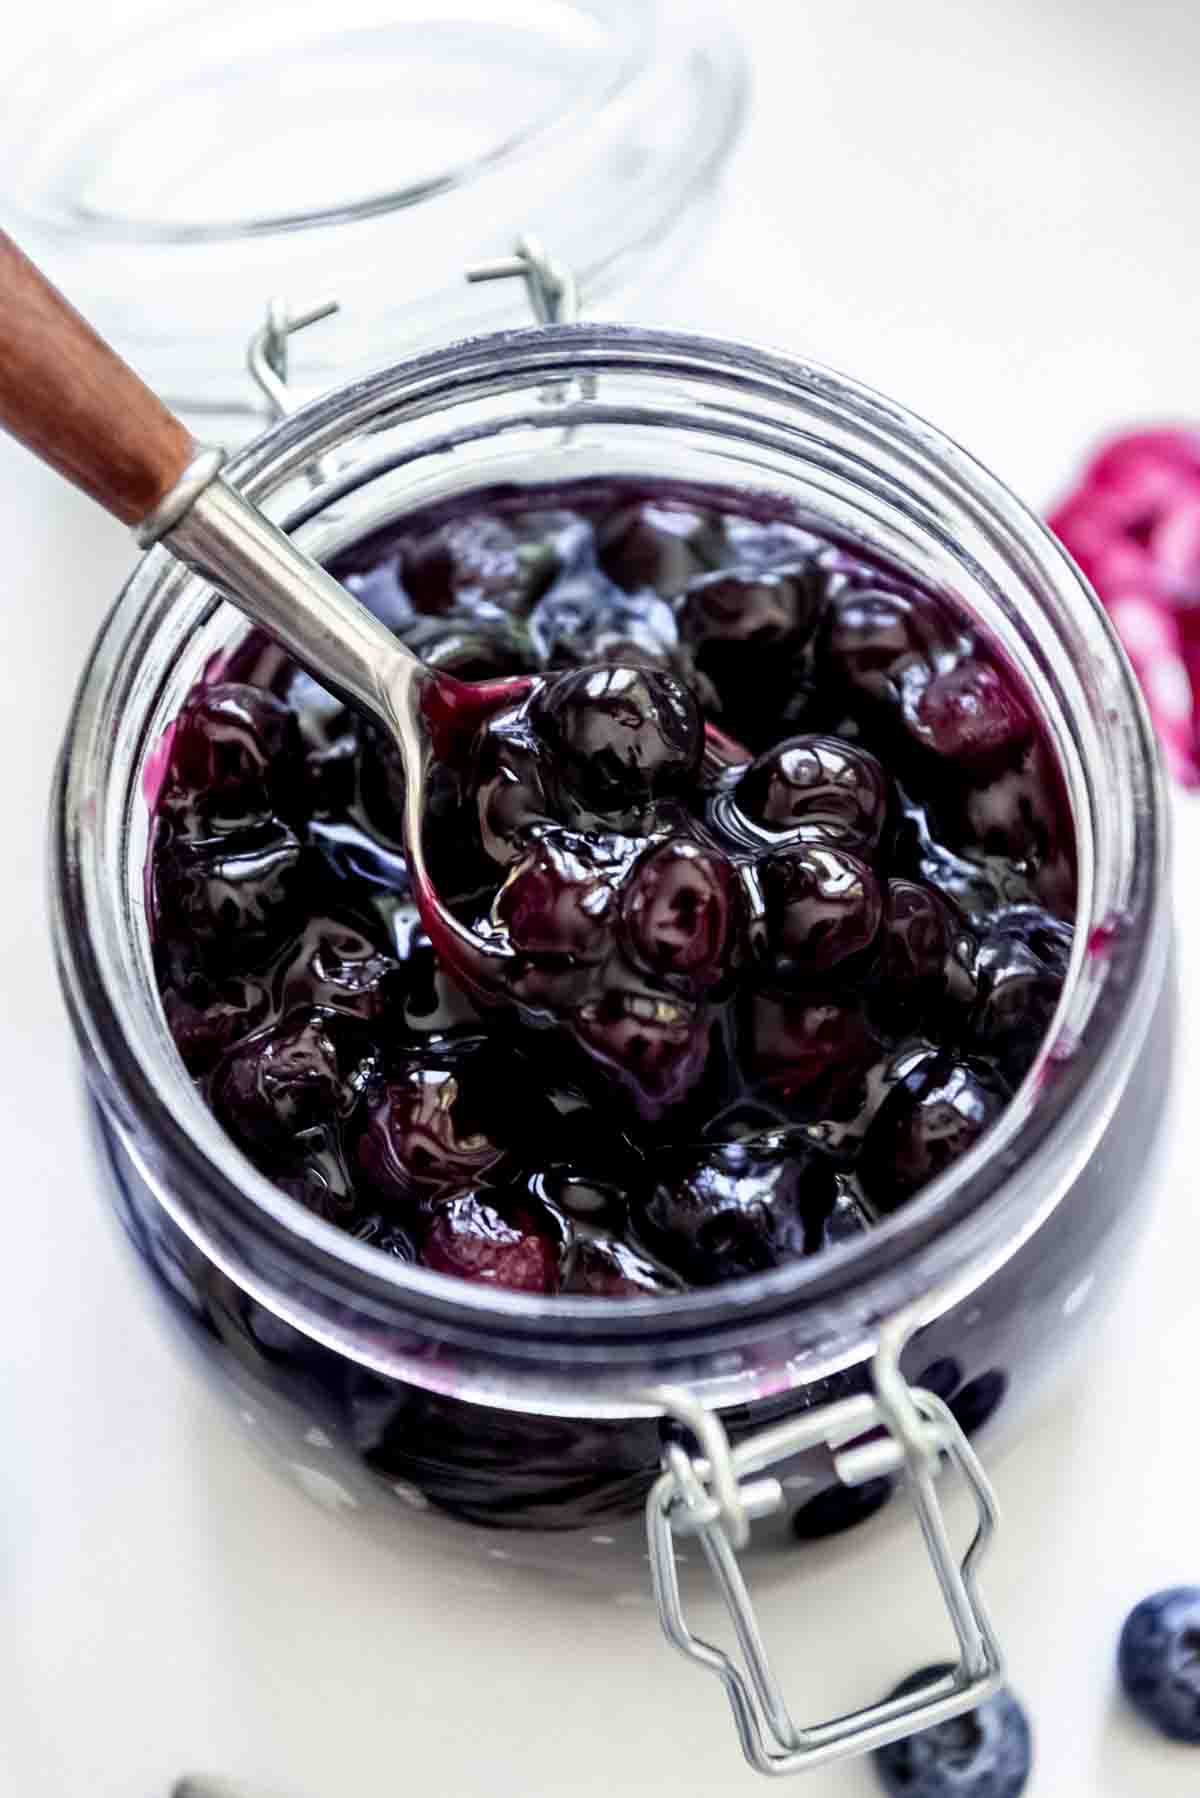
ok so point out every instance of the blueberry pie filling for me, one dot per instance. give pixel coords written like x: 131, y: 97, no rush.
x: 763, y: 987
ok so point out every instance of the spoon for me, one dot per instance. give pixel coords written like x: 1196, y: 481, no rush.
x: 70, y: 398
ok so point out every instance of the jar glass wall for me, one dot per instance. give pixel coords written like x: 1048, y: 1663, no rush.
x: 498, y: 1407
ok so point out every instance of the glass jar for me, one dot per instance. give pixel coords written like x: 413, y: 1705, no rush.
x: 493, y: 1408
x: 387, y: 141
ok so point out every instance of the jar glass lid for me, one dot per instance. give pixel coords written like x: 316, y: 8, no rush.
x: 175, y: 180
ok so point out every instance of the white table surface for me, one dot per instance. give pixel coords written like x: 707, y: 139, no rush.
x: 990, y: 212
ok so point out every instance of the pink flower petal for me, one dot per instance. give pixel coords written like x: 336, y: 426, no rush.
x: 1133, y: 525
x: 1175, y: 544
x: 1137, y: 451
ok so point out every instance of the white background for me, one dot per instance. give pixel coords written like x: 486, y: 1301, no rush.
x: 989, y: 211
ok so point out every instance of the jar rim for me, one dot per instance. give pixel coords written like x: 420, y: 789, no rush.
x: 980, y: 1209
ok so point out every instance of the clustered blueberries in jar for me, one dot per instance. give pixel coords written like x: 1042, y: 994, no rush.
x: 764, y: 987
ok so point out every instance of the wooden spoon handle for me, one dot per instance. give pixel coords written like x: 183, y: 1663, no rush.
x: 71, y: 400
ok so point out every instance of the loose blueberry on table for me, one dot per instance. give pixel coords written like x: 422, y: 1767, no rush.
x: 985, y: 1753
x: 1158, y: 1659
x: 760, y: 992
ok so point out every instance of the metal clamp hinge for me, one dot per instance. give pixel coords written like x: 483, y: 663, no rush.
x: 267, y: 351
x: 550, y: 284
x: 267, y: 359
x: 716, y: 1494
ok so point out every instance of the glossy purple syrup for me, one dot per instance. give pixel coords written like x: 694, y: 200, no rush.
x: 751, y: 1011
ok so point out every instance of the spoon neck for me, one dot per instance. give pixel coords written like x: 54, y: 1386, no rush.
x: 225, y: 539
x: 453, y: 710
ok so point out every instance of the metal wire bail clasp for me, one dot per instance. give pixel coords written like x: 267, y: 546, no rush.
x: 267, y: 362
x: 267, y: 351
x: 553, y: 295
x: 550, y: 284
x: 717, y: 1493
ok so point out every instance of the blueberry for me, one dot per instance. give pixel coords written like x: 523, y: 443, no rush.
x: 1020, y: 967
x: 942, y: 1377
x: 655, y: 546
x: 747, y: 1115
x: 970, y: 715
x: 736, y: 1208
x: 585, y: 618
x: 1020, y: 815
x: 976, y: 1403
x: 473, y: 646
x: 822, y: 908
x: 585, y: 1197
x: 985, y: 1753
x: 811, y: 1050
x: 233, y: 755
x: 892, y: 1063
x: 925, y: 975
x: 976, y: 886
x: 382, y: 591
x: 604, y: 1267
x: 1158, y: 1659
x: 292, y: 1077
x: 258, y: 662
x: 749, y: 639
x: 475, y: 562
x: 841, y: 1508
x: 421, y: 1137
x: 436, y: 1016
x: 318, y: 1180
x: 331, y: 738
x: 886, y: 647
x: 619, y: 735
x: 767, y: 544
x: 973, y: 1403
x: 848, y: 1219
x: 557, y: 901
x: 233, y: 894
x: 511, y: 779
x: 927, y: 1121
x: 656, y: 1044
x: 383, y: 1233
x: 679, y: 907
x: 207, y: 1015
x: 477, y: 1236
x: 356, y: 852
x: 336, y: 968
x: 728, y: 607
x: 918, y: 927
x: 825, y: 790
x: 556, y: 536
